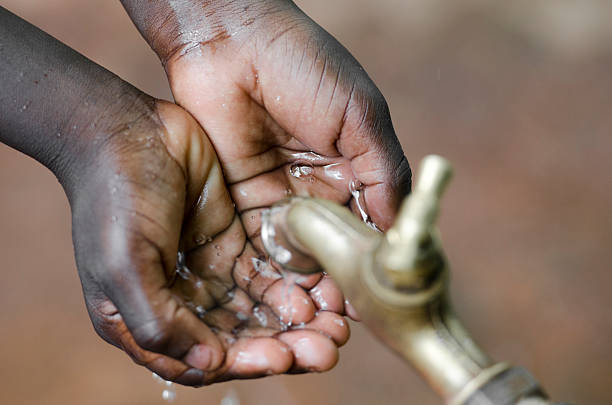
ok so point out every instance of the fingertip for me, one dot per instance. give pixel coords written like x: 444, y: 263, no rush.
x: 311, y: 350
x: 332, y: 325
x: 290, y: 302
x: 351, y: 312
x: 192, y: 377
x: 327, y: 295
x: 199, y: 356
x: 252, y: 357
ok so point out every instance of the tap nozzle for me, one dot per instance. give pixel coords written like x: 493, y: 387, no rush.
x: 409, y: 254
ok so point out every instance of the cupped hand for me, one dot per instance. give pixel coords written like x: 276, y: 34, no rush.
x: 168, y: 271
x: 288, y: 109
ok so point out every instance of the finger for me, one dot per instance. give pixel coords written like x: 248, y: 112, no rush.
x: 252, y: 358
x: 253, y: 274
x: 330, y: 324
x: 214, y: 260
x: 201, y: 227
x: 160, y: 324
x: 192, y: 290
x: 264, y: 317
x: 222, y: 319
x: 327, y: 295
x: 109, y: 324
x: 311, y: 350
x: 351, y: 312
x: 289, y: 302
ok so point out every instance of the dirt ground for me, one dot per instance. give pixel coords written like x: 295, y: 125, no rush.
x: 518, y: 96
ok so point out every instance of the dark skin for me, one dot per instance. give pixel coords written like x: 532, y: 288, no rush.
x: 144, y: 183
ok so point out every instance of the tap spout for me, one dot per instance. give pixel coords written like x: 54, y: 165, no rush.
x: 398, y: 282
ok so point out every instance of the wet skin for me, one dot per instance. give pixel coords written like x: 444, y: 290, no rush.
x: 289, y: 112
x: 144, y: 184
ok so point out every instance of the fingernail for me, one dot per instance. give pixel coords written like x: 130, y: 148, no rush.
x: 199, y: 356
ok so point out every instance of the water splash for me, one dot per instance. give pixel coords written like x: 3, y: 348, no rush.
x: 356, y: 189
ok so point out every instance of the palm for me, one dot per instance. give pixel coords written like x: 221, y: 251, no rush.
x: 276, y: 97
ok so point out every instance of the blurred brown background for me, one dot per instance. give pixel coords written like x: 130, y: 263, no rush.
x: 518, y: 95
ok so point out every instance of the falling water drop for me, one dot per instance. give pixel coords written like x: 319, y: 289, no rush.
x: 169, y: 392
x: 356, y: 189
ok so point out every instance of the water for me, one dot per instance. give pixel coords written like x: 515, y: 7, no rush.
x: 303, y: 171
x: 277, y: 252
x: 309, y: 157
x: 356, y: 189
x: 286, y: 310
x: 231, y: 398
x: 331, y: 171
x: 317, y: 295
x: 265, y: 269
x: 169, y: 392
x: 260, y: 316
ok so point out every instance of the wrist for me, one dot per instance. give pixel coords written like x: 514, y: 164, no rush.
x: 172, y: 27
x: 101, y: 127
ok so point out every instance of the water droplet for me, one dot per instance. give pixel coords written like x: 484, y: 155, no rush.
x: 114, y: 218
x: 181, y: 268
x: 200, y: 311
x: 58, y: 134
x: 301, y: 171
x: 231, y: 398
x: 278, y: 98
x: 339, y: 322
x: 356, y: 189
x: 169, y: 392
x: 241, y: 316
x: 169, y: 395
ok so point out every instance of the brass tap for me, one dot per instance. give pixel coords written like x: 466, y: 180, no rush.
x: 398, y: 282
